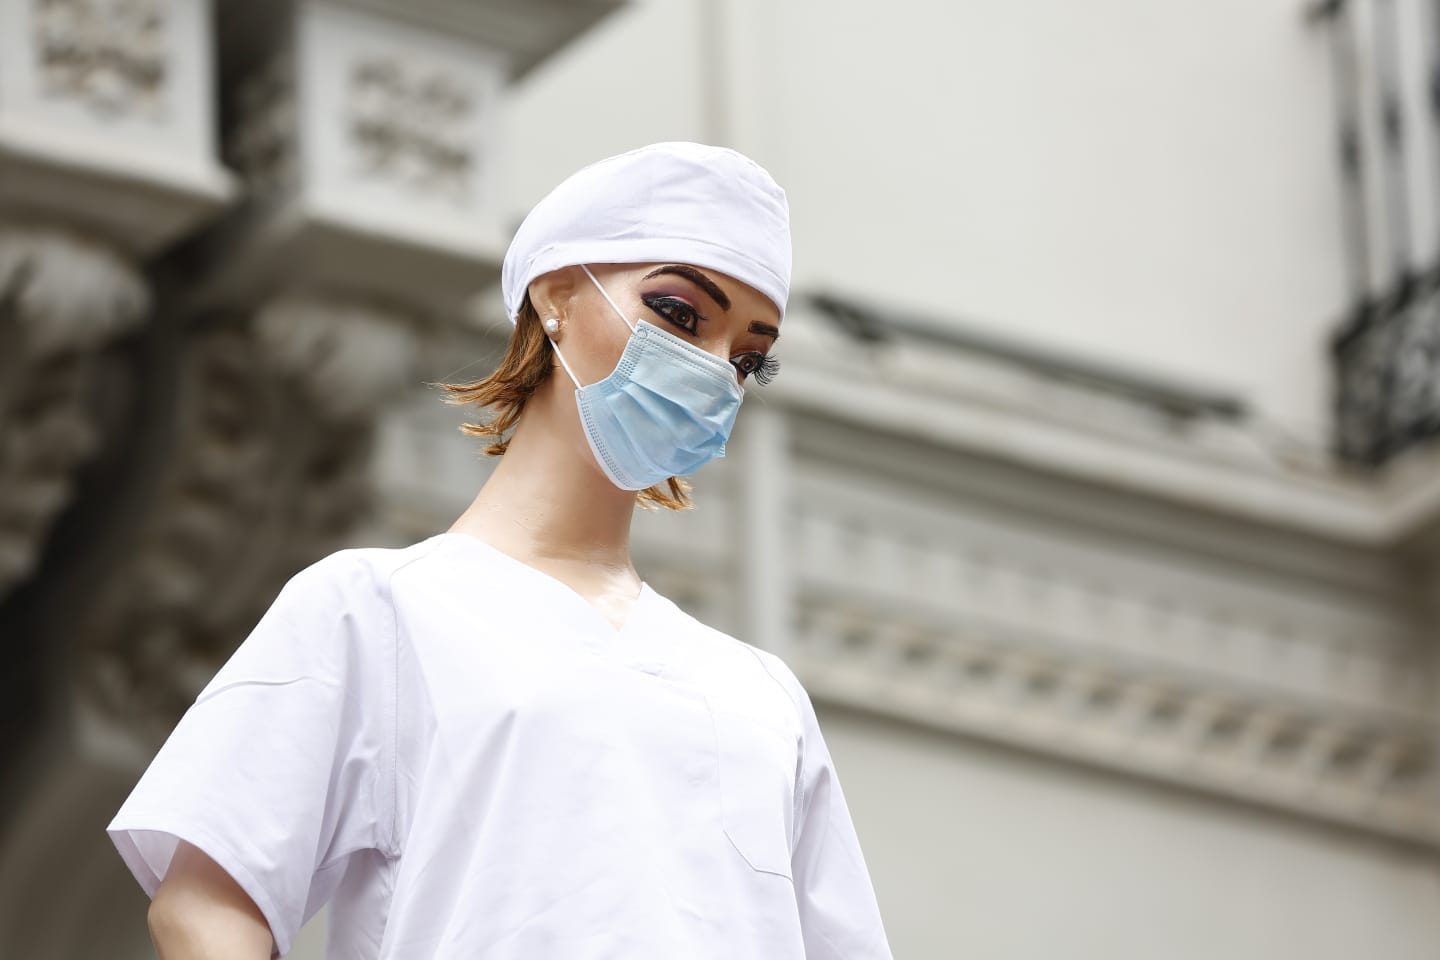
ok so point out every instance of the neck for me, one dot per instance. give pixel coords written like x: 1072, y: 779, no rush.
x: 545, y: 505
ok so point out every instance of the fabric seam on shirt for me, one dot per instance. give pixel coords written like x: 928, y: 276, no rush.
x: 799, y: 718
x: 394, y: 839
x: 825, y: 849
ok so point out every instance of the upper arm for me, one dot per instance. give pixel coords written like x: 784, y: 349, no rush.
x: 199, y: 910
x: 283, y: 766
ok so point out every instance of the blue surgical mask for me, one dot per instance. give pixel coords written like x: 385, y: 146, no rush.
x: 665, y: 411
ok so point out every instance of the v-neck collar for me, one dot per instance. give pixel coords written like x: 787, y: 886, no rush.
x: 610, y: 630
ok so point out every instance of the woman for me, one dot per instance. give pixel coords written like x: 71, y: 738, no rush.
x: 499, y: 742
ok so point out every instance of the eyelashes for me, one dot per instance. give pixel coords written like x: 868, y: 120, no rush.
x: 680, y: 314
x: 758, y: 365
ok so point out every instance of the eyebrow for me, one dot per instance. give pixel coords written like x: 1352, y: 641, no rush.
x: 716, y: 294
x: 765, y: 330
x: 695, y: 277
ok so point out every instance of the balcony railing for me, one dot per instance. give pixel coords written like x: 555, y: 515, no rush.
x: 1386, y: 83
x: 1387, y: 361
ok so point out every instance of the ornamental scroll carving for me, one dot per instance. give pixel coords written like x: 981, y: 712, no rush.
x: 62, y: 297
x: 269, y: 470
x: 109, y: 55
x: 262, y: 146
x: 413, y: 126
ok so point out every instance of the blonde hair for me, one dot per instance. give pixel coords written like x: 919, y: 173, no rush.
x: 527, y: 365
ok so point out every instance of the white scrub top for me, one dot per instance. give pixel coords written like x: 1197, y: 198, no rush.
x: 465, y: 759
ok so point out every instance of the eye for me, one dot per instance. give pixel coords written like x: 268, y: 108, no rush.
x: 755, y: 364
x: 676, y: 311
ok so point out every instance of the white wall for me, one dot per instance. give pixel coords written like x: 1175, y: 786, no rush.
x: 980, y: 852
x: 1148, y: 183
x: 633, y: 79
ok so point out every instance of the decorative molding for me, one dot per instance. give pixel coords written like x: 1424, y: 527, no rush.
x: 1374, y: 774
x: 62, y: 297
x: 269, y: 469
x: 1256, y: 691
x: 363, y: 143
x: 526, y: 33
x: 109, y: 55
x: 349, y: 356
x: 107, y: 119
x: 68, y: 291
x: 1243, y: 471
x: 1219, y: 629
x: 258, y: 483
x: 262, y: 145
x: 412, y: 125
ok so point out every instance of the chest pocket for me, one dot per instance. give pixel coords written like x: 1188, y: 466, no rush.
x: 757, y: 790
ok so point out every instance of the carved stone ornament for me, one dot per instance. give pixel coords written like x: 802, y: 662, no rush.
x: 65, y: 291
x: 109, y: 55
x: 348, y: 356
x: 269, y: 469
x: 412, y: 125
x: 62, y: 296
x: 257, y: 484
x: 262, y: 146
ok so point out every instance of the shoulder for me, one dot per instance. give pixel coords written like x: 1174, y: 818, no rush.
x: 354, y: 577
x: 785, y: 679
x: 326, y: 622
x: 754, y: 675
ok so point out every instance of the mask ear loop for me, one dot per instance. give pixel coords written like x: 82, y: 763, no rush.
x: 571, y: 373
x: 618, y: 312
x: 556, y: 347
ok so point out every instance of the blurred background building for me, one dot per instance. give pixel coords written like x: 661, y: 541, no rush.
x: 1097, y: 504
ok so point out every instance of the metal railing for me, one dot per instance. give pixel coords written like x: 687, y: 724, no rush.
x: 1386, y: 352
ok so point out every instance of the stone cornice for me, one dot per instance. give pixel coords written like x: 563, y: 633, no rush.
x: 950, y: 400
x: 1374, y: 778
x: 527, y: 35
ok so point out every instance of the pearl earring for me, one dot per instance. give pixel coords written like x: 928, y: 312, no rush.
x: 552, y: 325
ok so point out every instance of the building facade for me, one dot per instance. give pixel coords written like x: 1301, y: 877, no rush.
x: 1097, y: 503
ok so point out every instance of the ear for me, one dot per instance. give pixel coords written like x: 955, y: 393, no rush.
x: 552, y: 294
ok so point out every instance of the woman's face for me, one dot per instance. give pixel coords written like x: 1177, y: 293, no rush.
x: 717, y: 313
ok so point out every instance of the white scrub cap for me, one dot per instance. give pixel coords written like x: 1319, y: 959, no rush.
x: 671, y: 202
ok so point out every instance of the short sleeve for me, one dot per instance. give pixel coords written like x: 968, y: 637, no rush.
x: 283, y: 765
x: 839, y: 916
